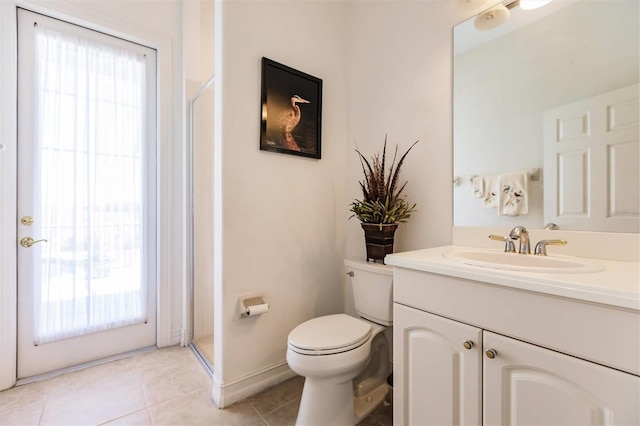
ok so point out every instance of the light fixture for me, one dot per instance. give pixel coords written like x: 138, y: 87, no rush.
x: 533, y: 4
x: 492, y: 18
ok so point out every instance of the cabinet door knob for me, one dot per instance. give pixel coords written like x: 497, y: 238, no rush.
x: 491, y: 353
x: 468, y: 344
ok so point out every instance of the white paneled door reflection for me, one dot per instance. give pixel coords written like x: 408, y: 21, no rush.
x: 86, y: 195
x: 592, y: 163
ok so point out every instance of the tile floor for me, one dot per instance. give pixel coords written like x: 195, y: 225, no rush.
x: 164, y: 387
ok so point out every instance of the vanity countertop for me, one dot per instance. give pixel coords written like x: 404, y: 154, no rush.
x: 617, y: 285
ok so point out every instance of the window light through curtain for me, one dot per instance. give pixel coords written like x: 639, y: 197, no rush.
x: 90, y: 134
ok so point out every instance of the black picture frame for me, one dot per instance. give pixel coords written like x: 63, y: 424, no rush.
x: 291, y: 111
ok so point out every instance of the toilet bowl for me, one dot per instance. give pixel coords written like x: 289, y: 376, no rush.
x: 345, y: 360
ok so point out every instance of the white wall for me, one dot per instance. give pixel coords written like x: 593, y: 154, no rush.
x: 283, y: 217
x: 198, y: 33
x: 399, y: 67
x: 386, y: 68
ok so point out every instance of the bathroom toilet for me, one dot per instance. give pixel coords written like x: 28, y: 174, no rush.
x: 345, y: 360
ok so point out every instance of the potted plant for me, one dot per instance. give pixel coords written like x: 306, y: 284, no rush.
x: 382, y: 206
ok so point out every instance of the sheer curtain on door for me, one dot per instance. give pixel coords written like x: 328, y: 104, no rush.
x: 90, y: 99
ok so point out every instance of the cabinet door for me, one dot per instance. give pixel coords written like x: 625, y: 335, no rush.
x: 436, y: 379
x: 528, y: 385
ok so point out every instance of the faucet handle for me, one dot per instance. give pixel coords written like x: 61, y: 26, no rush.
x: 509, y: 247
x: 541, y: 247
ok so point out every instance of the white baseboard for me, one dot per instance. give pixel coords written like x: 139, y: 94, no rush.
x: 225, y: 394
x: 176, y: 338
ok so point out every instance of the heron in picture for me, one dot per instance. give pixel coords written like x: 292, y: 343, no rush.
x: 289, y: 119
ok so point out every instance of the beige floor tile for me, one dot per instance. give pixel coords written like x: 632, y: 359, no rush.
x: 369, y: 421
x: 284, y: 416
x: 95, y: 402
x: 383, y: 415
x: 121, y: 370
x: 139, y: 418
x: 164, y: 358
x: 287, y: 415
x: 24, y: 415
x: 163, y: 387
x: 169, y: 373
x: 23, y: 395
x: 196, y: 408
x: 277, y: 396
x: 173, y: 380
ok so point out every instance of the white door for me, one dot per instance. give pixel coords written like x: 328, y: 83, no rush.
x: 591, y: 160
x: 528, y: 385
x: 86, y: 195
x: 437, y: 365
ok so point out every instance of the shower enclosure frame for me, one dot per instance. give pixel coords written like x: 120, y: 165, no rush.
x: 188, y: 336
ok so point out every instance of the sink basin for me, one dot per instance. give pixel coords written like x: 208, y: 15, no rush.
x: 523, y: 262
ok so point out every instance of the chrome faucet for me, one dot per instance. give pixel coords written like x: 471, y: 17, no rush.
x: 521, y: 233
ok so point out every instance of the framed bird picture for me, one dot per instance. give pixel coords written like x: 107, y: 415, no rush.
x: 291, y: 111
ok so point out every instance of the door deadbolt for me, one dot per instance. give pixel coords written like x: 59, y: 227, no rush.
x: 27, y: 220
x: 27, y: 242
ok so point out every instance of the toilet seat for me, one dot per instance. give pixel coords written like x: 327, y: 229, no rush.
x: 329, y: 334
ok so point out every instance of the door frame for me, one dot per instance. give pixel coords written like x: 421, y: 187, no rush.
x: 171, y: 244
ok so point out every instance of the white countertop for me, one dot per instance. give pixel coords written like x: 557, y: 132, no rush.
x: 618, y: 284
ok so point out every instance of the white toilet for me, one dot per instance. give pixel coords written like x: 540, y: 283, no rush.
x: 345, y: 360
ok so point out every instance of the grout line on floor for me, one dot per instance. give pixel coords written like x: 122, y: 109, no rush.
x: 45, y: 401
x: 125, y: 415
x: 257, y: 412
x: 144, y: 392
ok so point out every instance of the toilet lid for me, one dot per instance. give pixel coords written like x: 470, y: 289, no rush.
x: 329, y: 334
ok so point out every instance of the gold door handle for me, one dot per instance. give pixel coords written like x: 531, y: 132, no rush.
x: 27, y: 242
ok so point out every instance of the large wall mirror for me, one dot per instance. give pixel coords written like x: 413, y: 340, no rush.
x: 548, y: 98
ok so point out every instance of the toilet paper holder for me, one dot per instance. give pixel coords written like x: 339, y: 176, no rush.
x: 251, y: 306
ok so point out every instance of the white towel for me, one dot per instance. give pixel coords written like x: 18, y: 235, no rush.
x: 490, y: 197
x: 477, y: 185
x: 513, y: 197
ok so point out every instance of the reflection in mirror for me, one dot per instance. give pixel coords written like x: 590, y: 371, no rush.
x: 546, y: 106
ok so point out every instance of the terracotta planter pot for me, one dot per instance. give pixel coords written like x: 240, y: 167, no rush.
x: 379, y: 242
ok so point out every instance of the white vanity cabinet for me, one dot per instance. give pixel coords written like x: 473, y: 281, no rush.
x: 436, y: 379
x: 528, y: 385
x: 557, y: 360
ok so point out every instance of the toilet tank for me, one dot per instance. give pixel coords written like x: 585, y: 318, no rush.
x: 372, y: 285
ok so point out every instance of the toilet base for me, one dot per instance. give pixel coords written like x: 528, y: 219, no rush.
x: 365, y: 404
x: 326, y: 403
x: 339, y: 406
